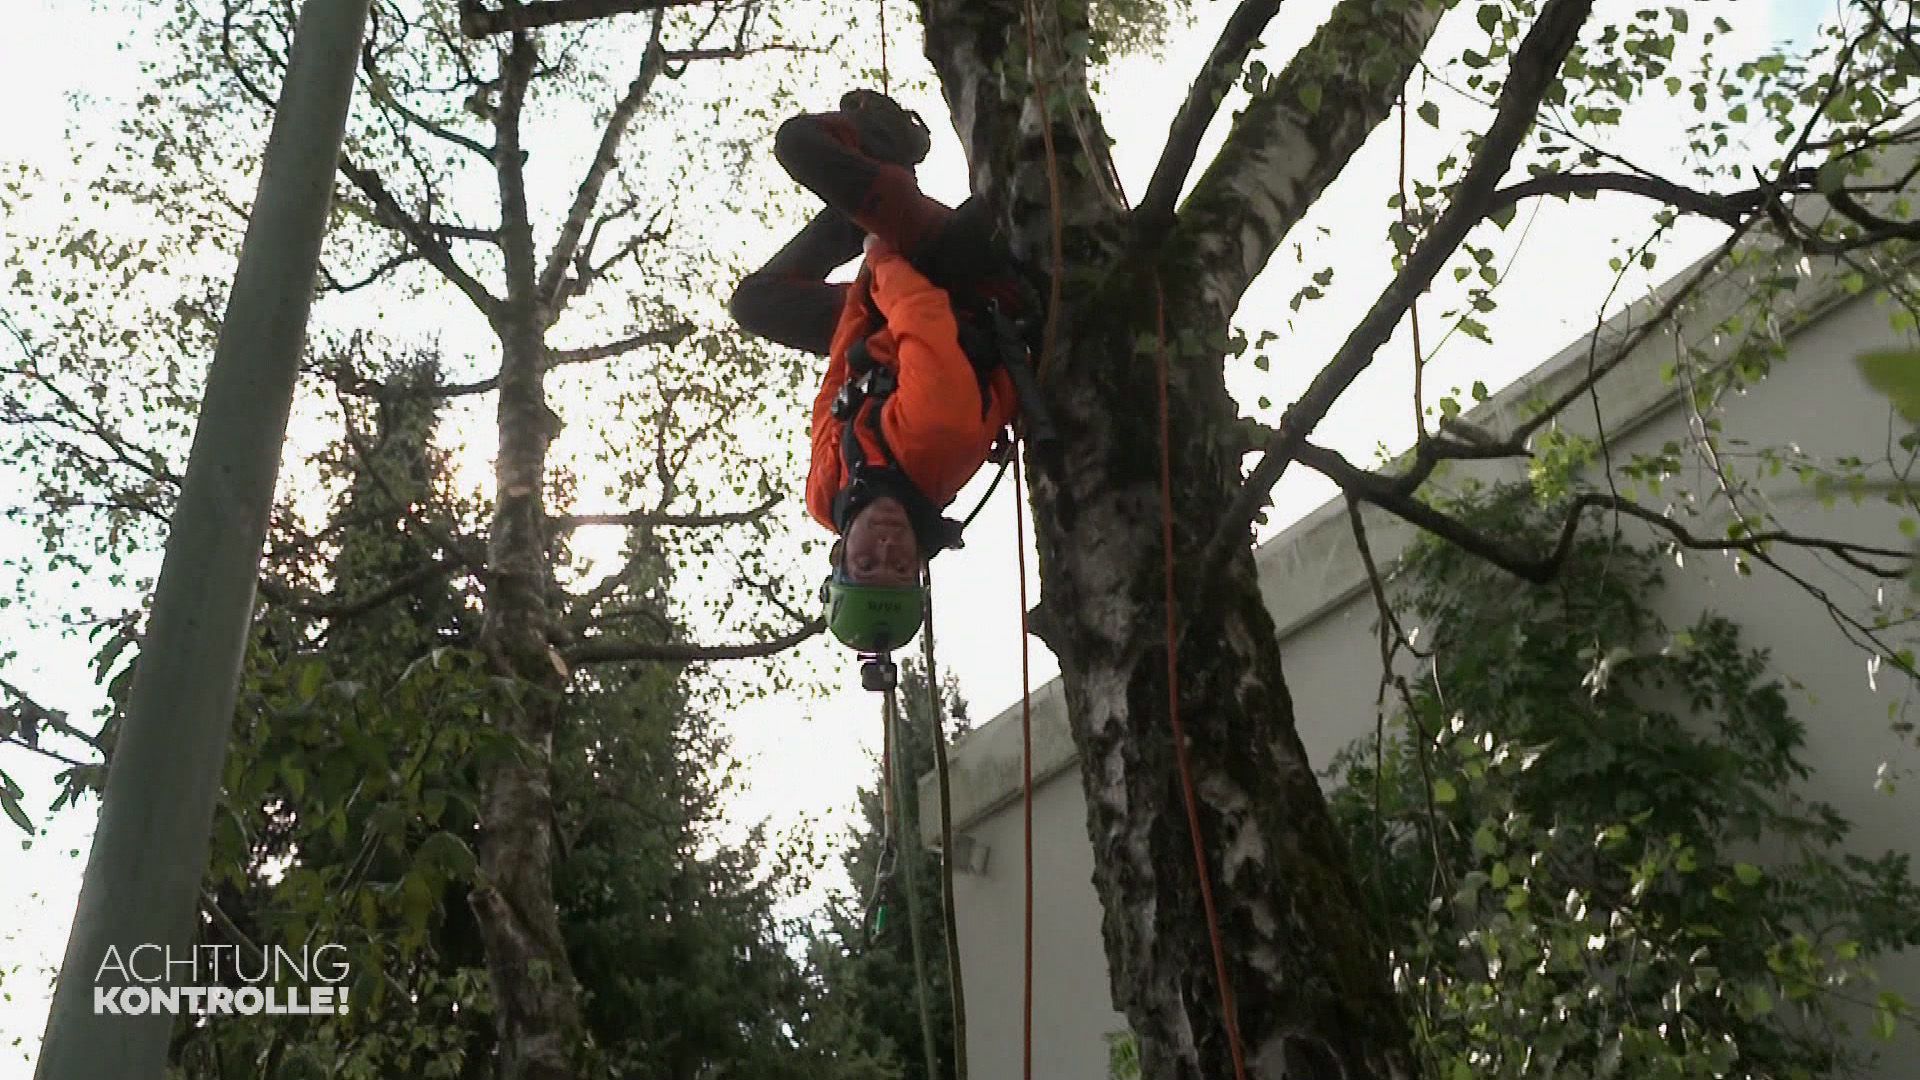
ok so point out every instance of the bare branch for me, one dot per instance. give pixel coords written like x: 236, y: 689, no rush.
x: 383, y: 96
x: 672, y: 335
x: 586, y: 272
x: 605, y: 156
x: 478, y: 21
x: 603, y: 651
x: 736, y: 52
x: 1384, y: 492
x: 334, y: 284
x: 422, y: 236
x: 516, y: 220
x: 1535, y: 63
x: 463, y: 232
x: 1731, y: 209
x: 50, y: 755
x: 1216, y: 77
x: 639, y: 519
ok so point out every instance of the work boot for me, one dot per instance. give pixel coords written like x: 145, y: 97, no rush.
x: 888, y: 132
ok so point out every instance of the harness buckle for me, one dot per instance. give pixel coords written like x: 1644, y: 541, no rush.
x: 875, y: 382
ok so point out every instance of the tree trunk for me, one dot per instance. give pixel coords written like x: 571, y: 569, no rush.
x: 1308, y: 975
x: 1307, y: 971
x: 536, y: 1000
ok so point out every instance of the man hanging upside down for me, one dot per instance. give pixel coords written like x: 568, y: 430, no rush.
x: 912, y: 403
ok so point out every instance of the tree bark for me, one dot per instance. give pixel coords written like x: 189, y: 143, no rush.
x: 1308, y: 972
x: 536, y: 1000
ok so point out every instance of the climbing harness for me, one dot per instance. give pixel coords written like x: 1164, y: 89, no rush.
x: 875, y: 620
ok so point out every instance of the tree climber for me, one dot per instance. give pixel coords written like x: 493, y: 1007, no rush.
x: 914, y: 396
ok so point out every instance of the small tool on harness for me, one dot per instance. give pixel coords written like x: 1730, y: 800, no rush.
x: 873, y: 921
x: 878, y: 672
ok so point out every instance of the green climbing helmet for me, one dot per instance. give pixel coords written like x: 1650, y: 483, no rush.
x: 872, y: 618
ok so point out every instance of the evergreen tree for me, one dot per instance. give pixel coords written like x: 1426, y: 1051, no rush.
x: 350, y: 819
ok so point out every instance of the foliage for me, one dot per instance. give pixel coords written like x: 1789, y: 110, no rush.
x: 1583, y: 838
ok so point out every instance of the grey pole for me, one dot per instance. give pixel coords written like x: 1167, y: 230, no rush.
x: 142, y: 884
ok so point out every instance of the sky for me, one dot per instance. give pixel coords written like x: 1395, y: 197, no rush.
x: 802, y: 758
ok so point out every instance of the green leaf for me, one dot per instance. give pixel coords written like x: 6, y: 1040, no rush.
x: 1444, y: 792
x: 1895, y: 373
x: 1748, y: 873
x: 1429, y: 112
x: 1486, y: 841
x: 447, y: 852
x: 1310, y: 97
x: 10, y: 802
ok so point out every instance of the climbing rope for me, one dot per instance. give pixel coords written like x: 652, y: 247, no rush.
x: 949, y: 921
x: 1173, y: 694
x: 886, y: 81
x: 902, y: 792
x: 1026, y: 776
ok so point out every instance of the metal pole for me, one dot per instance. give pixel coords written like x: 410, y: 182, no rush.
x: 142, y: 885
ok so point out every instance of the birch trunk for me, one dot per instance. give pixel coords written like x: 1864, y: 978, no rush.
x: 1309, y: 974
x: 536, y: 1000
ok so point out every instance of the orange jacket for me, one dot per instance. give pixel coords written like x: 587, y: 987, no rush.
x: 933, y: 421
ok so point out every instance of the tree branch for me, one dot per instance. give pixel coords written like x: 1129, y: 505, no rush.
x: 1243, y: 29
x: 382, y: 95
x: 605, y: 156
x: 479, y: 21
x: 434, y: 250
x: 602, y: 651
x: 735, y: 52
x: 672, y: 335
x: 1731, y: 209
x: 640, y: 519
x: 1535, y: 63
x: 1280, y: 154
x: 344, y: 609
x: 333, y: 284
x: 1385, y: 492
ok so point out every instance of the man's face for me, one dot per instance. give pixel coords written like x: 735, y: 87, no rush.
x: 881, y: 549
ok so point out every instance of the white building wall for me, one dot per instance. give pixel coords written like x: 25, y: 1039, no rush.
x: 1311, y: 575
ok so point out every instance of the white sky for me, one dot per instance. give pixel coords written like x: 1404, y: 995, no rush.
x: 803, y: 758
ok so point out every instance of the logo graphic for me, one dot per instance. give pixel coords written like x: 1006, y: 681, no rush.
x: 219, y: 980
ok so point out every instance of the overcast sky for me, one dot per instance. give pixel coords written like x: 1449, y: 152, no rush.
x: 805, y: 757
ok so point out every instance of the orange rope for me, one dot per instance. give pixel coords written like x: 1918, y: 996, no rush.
x: 1173, y: 698
x: 1026, y: 772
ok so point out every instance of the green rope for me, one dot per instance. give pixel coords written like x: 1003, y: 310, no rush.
x: 951, y: 924
x: 910, y: 854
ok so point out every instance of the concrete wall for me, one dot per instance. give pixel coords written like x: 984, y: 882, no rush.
x: 1313, y: 581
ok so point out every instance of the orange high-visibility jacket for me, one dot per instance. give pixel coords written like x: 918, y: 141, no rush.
x: 933, y: 422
